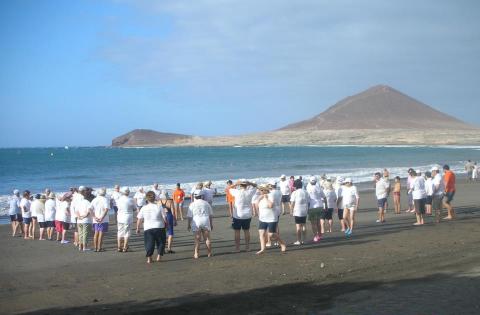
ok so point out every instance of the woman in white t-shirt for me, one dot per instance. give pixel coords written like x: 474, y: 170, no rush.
x: 331, y: 204
x: 84, y: 220
x: 351, y: 200
x: 50, y: 209
x: 299, y: 201
x: 268, y: 220
x: 37, y: 208
x: 26, y: 214
x: 100, y: 218
x: 41, y: 217
x: 200, y: 215
x: 62, y: 217
x: 154, y: 222
x: 126, y: 207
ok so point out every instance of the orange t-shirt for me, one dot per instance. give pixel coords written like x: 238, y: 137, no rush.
x: 449, y: 180
x: 230, y: 198
x: 178, y: 195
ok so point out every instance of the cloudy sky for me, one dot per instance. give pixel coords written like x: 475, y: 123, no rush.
x: 82, y: 72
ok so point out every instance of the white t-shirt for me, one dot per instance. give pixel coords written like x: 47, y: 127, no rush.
x: 200, y: 211
x: 339, y: 193
x: 62, y: 214
x: 153, y: 217
x: 243, y: 202
x: 208, y: 194
x: 37, y: 209
x: 381, y: 188
x: 140, y: 198
x: 300, y: 199
x: 284, y: 187
x: 276, y: 197
x: 126, y: 206
x: 316, y: 195
x: 25, y: 207
x: 14, y: 205
x: 83, y: 208
x: 331, y: 198
x: 114, y: 197
x: 429, y: 186
x: 76, y: 198
x: 438, y: 182
x: 418, y: 188
x: 256, y: 196
x: 50, y: 207
x: 98, y: 206
x: 350, y: 196
x: 265, y: 213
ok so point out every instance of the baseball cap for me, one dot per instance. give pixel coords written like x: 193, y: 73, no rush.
x: 283, y: 176
x: 82, y: 188
x: 313, y: 179
x: 435, y: 168
x: 198, y: 193
x: 16, y: 191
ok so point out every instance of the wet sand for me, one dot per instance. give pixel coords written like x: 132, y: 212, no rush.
x: 390, y: 268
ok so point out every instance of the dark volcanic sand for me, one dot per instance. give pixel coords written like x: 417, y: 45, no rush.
x: 393, y: 268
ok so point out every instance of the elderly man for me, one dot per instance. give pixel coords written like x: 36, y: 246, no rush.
x: 100, y: 208
x: 382, y: 189
x: 438, y: 191
x: 14, y: 212
x: 284, y: 186
x: 243, y: 192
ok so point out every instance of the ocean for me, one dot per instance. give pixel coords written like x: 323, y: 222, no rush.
x: 60, y: 168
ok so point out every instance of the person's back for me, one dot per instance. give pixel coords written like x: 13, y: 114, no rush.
x: 178, y: 195
x: 449, y: 181
x: 300, y: 199
x: 418, y: 187
x: 126, y: 206
x: 152, y: 215
x: 99, y: 204
x: 243, y: 202
x: 200, y: 208
x: 276, y: 197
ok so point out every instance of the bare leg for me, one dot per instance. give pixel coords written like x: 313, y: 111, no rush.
x: 261, y: 235
x: 322, y: 224
x: 119, y: 243
x: 352, y: 220
x: 299, y: 232
x: 314, y: 227
x: 33, y: 227
x: 276, y: 237
x: 197, y: 244
x: 237, y: 240
x: 125, y: 244
x: 206, y: 237
x: 26, y: 230
x: 246, y: 233
x: 304, y: 232
x: 330, y: 225
x: 95, y: 241
x: 100, y: 240
x: 169, y: 242
x: 42, y: 231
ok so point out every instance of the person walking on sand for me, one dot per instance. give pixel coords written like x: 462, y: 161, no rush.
x: 100, y: 218
x: 84, y: 219
x: 411, y: 206
x: 62, y: 217
x: 419, y: 195
x: 178, y: 198
x: 25, y: 204
x: 330, y: 205
x: 276, y: 197
x: 13, y: 212
x: 50, y: 212
x: 139, y: 198
x: 475, y: 173
x: 285, y: 190
x: 317, y: 199
x: 268, y: 220
x: 154, y: 221
x: 300, y: 201
x: 339, y: 206
x: 167, y: 204
x: 229, y: 198
x: 397, y: 188
x: 200, y: 215
x: 438, y: 192
x: 382, y: 190
x: 126, y: 208
x: 209, y: 192
x: 243, y: 192
x: 449, y: 182
x: 469, y: 166
x: 429, y: 187
x: 351, y: 202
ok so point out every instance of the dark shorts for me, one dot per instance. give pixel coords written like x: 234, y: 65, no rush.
x: 50, y: 224
x: 73, y: 226
x: 381, y: 203
x: 170, y: 223
x: 429, y: 200
x: 270, y: 226
x: 300, y: 220
x: 340, y: 214
x: 314, y: 214
x: 115, y: 209
x: 13, y: 218
x: 437, y: 202
x: 241, y: 224
x: 27, y: 220
x: 419, y: 206
x: 42, y: 224
x: 449, y: 196
x: 100, y: 227
x: 326, y: 214
x: 285, y: 198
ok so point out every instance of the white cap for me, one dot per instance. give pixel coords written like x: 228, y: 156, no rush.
x: 348, y: 180
x: 82, y: 188
x: 198, y: 192
x: 435, y: 168
x: 329, y: 179
x: 242, y: 180
x: 283, y: 176
x: 418, y: 171
x: 16, y: 191
x: 125, y: 190
x: 313, y: 179
x: 101, y: 191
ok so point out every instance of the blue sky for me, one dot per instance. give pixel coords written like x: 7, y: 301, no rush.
x: 82, y: 72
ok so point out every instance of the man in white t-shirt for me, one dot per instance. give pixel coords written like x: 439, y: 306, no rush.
x: 276, y: 197
x: 157, y: 191
x: 243, y: 192
x: 200, y: 215
x: 300, y: 201
x: 317, y: 200
x: 100, y: 208
x: 126, y: 208
x: 13, y: 211
x: 339, y: 193
x: 419, y: 195
x: 209, y: 192
x: 382, y: 189
x: 438, y: 192
x: 284, y: 186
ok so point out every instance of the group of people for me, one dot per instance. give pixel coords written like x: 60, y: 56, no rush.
x: 473, y: 170
x: 83, y: 210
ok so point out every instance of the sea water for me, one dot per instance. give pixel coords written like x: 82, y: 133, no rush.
x: 60, y: 168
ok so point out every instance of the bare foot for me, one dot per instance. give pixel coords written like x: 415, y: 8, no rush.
x: 209, y: 255
x: 283, y: 248
x: 416, y: 223
x: 195, y: 256
x: 149, y: 260
x: 260, y: 252
x: 159, y: 257
x: 447, y: 218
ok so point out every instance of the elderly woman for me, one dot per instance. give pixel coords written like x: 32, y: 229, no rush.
x: 200, y: 216
x: 167, y: 204
x: 99, y: 207
x: 126, y: 207
x: 154, y: 221
x: 268, y: 220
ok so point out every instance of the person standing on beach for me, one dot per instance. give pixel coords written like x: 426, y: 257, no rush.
x: 139, y: 198
x: 242, y: 212
x: 229, y: 198
x: 41, y: 217
x: 50, y: 211
x: 339, y: 206
x: 469, y: 166
x: 37, y: 208
x: 317, y: 199
x: 410, y: 177
x: 114, y: 198
x: 200, y: 222
x: 77, y: 197
x: 126, y: 208
x: 25, y: 204
x: 475, y: 172
x: 178, y: 198
x: 154, y: 222
x: 276, y: 197
x: 351, y: 201
x: 330, y: 205
x: 100, y: 216
x: 62, y: 217
x: 382, y: 190
x: 397, y: 188
x: 300, y: 203
x: 449, y: 182
x: 198, y: 186
x: 167, y: 204
x: 285, y: 190
x: 84, y: 219
x: 157, y: 191
x: 429, y: 187
x: 419, y: 196
x: 209, y: 192
x: 268, y: 220
x: 13, y: 212
x: 438, y: 192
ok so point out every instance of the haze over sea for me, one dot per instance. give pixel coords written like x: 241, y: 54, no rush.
x: 60, y: 168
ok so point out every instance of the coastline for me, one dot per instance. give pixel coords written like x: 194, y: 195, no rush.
x: 375, y: 271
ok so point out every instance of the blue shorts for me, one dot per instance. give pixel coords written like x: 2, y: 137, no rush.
x: 285, y: 198
x: 50, y: 223
x: 100, y: 227
x: 381, y: 203
x: 27, y: 220
x: 13, y: 217
x: 270, y: 226
x: 241, y: 224
x: 449, y: 196
x: 170, y: 223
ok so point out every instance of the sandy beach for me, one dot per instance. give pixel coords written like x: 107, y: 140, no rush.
x: 390, y: 268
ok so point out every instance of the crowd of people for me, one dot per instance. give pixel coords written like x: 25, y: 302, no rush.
x: 84, y: 211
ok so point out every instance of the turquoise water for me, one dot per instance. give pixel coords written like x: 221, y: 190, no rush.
x: 60, y: 168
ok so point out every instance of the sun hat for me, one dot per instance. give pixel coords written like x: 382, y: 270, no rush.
x: 16, y: 191
x: 82, y: 188
x: 263, y: 187
x: 435, y: 169
x: 198, y: 192
x: 125, y: 190
x: 283, y: 176
x: 348, y: 180
x: 51, y: 195
x: 312, y: 179
x: 328, y: 185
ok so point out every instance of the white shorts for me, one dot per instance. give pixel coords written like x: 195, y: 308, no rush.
x: 123, y: 230
x: 201, y: 223
x: 350, y: 207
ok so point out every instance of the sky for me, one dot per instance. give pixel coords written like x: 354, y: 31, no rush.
x: 80, y: 73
